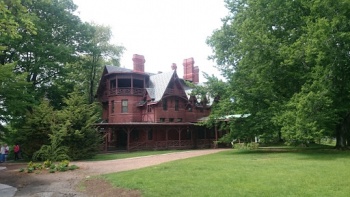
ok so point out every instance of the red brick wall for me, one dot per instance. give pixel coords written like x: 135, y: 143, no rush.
x: 133, y: 114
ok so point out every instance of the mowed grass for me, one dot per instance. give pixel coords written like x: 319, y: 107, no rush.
x: 124, y: 155
x: 265, y: 172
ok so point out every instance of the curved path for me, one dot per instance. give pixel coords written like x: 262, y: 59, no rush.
x: 104, y: 167
x: 64, y: 184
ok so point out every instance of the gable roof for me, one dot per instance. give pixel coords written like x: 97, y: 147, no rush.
x: 158, y: 85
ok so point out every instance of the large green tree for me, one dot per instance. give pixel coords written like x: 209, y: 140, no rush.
x: 14, y: 97
x: 277, y: 54
x: 98, y: 51
x: 50, y: 62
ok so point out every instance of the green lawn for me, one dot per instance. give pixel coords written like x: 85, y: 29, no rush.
x: 266, y: 172
x: 124, y: 155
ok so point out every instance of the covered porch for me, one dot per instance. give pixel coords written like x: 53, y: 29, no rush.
x: 155, y: 136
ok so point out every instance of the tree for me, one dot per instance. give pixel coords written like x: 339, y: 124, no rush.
x: 69, y: 130
x: 42, y: 57
x: 77, y: 119
x: 35, y: 129
x: 14, y: 97
x: 285, y: 61
x: 98, y: 50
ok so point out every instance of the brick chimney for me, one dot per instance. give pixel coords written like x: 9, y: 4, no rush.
x: 196, y: 75
x: 188, y: 69
x: 139, y: 63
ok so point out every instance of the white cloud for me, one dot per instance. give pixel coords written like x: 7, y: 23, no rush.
x: 164, y: 31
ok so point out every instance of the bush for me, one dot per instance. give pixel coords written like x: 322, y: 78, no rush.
x: 30, y: 170
x: 64, y: 163
x: 30, y: 164
x: 37, y: 166
x: 47, y: 163
x: 62, y: 166
x: 246, y: 146
x: 52, y: 166
x: 73, y: 167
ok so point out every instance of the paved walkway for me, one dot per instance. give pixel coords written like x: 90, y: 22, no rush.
x: 62, y: 184
x: 6, y: 190
x: 119, y: 165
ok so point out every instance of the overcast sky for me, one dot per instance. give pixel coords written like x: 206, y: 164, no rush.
x: 164, y: 31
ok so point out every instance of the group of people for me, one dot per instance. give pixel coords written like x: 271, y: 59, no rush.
x: 5, y: 150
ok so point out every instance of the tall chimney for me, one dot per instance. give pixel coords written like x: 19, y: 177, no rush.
x: 196, y: 75
x: 139, y: 63
x: 188, y: 69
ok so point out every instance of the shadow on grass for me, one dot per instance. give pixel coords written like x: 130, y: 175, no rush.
x: 313, y: 152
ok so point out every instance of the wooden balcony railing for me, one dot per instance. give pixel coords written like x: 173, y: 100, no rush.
x: 127, y: 91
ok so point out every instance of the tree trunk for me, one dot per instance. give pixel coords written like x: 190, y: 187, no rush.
x: 341, y: 133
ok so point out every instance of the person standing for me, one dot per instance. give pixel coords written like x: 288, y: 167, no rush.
x: 2, y: 151
x: 16, y: 150
x: 7, y: 151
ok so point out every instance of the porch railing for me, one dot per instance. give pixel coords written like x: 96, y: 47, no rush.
x: 126, y: 91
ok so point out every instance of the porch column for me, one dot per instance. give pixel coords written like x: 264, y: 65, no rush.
x: 179, y: 131
x: 166, y: 137
x: 128, y: 138
x: 108, y: 138
x: 193, y: 137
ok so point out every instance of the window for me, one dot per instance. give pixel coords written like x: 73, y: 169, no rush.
x: 124, y: 83
x: 176, y: 105
x: 124, y: 106
x: 137, y: 83
x: 162, y: 119
x: 112, y: 106
x: 165, y: 104
x: 171, y: 119
x: 149, y: 108
x: 179, y: 120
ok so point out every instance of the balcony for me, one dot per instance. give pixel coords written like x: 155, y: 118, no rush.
x: 126, y: 91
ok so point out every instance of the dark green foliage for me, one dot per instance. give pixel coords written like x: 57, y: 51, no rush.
x: 54, y: 151
x: 287, y: 64
x: 47, y: 53
x: 78, y: 118
x: 35, y: 131
x: 52, y: 166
